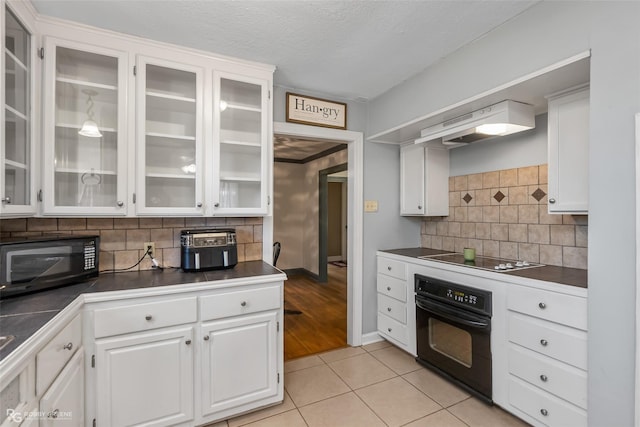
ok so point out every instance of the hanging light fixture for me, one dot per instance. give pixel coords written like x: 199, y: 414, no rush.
x: 90, y: 127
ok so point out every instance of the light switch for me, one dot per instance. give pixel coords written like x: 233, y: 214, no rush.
x: 371, y: 206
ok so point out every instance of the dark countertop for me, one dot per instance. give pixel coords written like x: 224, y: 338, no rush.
x: 548, y: 273
x: 23, y: 315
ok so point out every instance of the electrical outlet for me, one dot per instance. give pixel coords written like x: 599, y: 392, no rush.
x: 153, y: 247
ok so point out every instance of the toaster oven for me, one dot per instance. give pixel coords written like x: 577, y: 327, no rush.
x: 208, y: 249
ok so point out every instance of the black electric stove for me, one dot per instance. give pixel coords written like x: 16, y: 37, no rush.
x: 484, y: 262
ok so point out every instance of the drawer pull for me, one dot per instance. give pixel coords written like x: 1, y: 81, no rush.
x: 544, y: 412
x: 389, y: 329
x: 389, y: 268
x: 543, y: 378
x: 68, y: 346
x: 544, y: 342
x: 148, y: 317
x: 53, y: 414
x: 243, y: 303
x: 206, y: 337
x: 389, y: 309
x: 187, y: 342
x: 388, y: 288
x: 542, y: 305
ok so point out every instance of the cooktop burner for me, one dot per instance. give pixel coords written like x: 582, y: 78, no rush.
x: 484, y: 262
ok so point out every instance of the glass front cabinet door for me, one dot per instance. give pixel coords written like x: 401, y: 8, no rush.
x: 169, y: 142
x: 84, y: 123
x: 16, y: 178
x: 241, y: 150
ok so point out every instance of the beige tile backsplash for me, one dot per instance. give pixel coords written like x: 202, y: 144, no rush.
x: 497, y: 213
x: 122, y: 239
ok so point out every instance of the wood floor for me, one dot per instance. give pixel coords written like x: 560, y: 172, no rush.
x: 322, y: 325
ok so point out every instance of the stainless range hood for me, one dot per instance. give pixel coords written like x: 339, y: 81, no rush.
x: 500, y: 119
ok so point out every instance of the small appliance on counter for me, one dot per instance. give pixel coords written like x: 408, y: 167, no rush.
x: 30, y: 264
x: 208, y: 249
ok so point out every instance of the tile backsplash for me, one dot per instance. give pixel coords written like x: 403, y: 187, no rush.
x: 504, y: 214
x: 122, y: 239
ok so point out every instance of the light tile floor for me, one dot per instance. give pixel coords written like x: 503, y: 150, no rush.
x: 374, y: 385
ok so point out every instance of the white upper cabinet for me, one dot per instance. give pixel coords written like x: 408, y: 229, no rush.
x: 424, y: 180
x: 169, y: 170
x: 569, y: 152
x: 17, y: 155
x: 241, y: 145
x: 85, y: 119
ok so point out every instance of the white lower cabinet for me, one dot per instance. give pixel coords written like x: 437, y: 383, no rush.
x: 63, y: 403
x: 145, y: 378
x: 239, y: 361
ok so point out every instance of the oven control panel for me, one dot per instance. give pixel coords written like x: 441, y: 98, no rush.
x: 477, y: 299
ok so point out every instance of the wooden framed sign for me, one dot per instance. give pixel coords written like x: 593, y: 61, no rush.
x: 308, y: 110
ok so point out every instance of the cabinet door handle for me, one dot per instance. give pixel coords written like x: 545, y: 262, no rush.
x: 389, y: 309
x: 543, y: 378
x: 187, y: 342
x: 120, y: 203
x: 389, y: 268
x: 199, y: 204
x: 544, y: 412
x: 388, y: 288
x: 148, y: 317
x: 6, y: 200
x: 216, y: 205
x: 419, y: 207
x: 206, y: 337
x: 542, y: 305
x: 552, y: 201
x: 53, y: 414
x: 389, y: 329
x: 544, y: 342
x: 68, y: 346
x: 243, y: 303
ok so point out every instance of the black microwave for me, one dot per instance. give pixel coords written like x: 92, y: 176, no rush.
x: 38, y: 263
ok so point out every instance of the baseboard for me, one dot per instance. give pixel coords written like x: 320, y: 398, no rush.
x: 301, y: 272
x: 371, y: 337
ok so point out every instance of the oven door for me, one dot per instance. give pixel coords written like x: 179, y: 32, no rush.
x: 456, y: 343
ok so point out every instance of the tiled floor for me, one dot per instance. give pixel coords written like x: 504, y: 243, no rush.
x: 374, y: 385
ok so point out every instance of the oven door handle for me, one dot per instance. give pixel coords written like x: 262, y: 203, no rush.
x: 457, y: 316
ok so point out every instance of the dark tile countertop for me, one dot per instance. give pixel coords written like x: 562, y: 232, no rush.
x: 21, y: 316
x: 548, y: 273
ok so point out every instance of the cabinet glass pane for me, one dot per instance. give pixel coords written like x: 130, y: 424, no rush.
x: 17, y: 138
x: 170, y: 137
x: 240, y: 144
x: 85, y: 166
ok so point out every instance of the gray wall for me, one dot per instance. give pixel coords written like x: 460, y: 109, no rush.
x: 545, y: 34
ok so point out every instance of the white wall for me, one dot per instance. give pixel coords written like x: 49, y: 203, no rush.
x: 545, y: 34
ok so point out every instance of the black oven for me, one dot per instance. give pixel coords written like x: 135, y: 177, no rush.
x: 454, y: 333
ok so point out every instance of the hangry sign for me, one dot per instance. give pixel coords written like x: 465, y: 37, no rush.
x: 315, y: 111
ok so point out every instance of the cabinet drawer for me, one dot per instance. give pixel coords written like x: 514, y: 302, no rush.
x: 392, y: 308
x: 392, y: 287
x: 393, y: 329
x: 544, y: 407
x: 560, y: 308
x: 550, y: 375
x: 55, y: 355
x: 553, y: 340
x: 392, y: 268
x: 240, y: 302
x: 144, y: 316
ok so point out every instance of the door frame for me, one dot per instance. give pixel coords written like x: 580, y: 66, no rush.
x: 355, y: 220
x: 323, y: 220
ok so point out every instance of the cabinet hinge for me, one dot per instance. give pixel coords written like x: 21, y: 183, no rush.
x: 278, y: 377
x: 135, y: 70
x: 94, y: 422
x: 41, y: 53
x: 269, y: 94
x: 134, y: 198
x: 268, y: 200
x: 40, y: 195
x: 277, y: 326
x: 93, y: 365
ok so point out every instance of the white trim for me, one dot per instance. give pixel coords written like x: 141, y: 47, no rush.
x: 355, y: 220
x: 637, y: 388
x: 371, y: 337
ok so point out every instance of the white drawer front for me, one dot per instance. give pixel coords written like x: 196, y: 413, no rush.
x: 144, y: 316
x: 235, y: 303
x: 555, y: 377
x: 55, y: 355
x: 394, y: 288
x: 544, y: 407
x: 392, y: 308
x: 560, y: 308
x: 392, y: 268
x: 557, y: 341
x: 392, y: 328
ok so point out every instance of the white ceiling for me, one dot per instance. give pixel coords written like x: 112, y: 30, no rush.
x: 348, y: 49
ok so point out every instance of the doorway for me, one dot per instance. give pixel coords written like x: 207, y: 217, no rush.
x: 332, y: 219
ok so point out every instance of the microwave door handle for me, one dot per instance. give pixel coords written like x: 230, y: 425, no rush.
x: 453, y: 315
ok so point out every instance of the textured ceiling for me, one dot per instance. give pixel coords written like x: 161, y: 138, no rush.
x: 300, y: 150
x: 348, y: 49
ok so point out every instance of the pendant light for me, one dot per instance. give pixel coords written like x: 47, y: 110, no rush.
x: 90, y: 127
